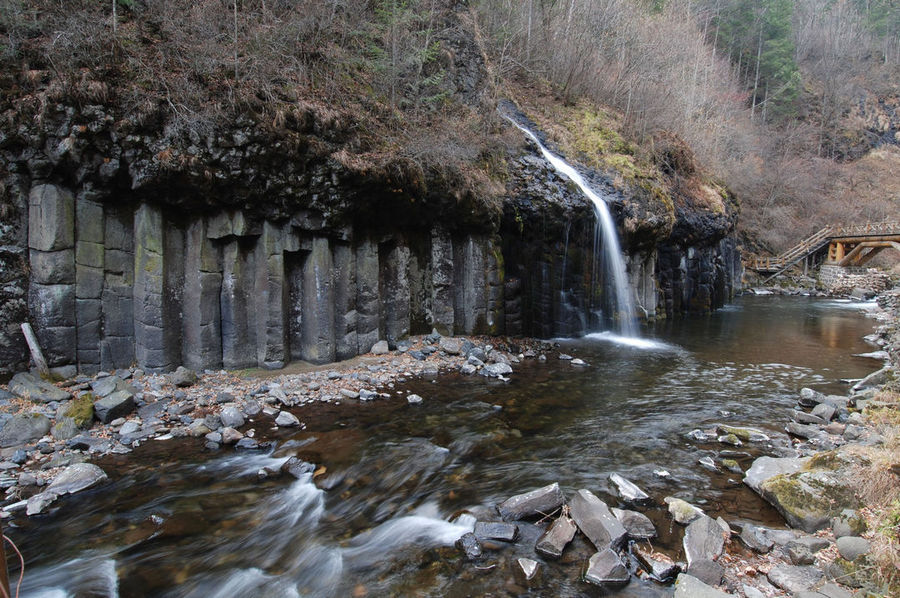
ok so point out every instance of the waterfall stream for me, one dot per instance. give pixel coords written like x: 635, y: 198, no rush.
x: 611, y: 251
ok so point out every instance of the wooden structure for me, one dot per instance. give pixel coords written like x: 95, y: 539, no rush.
x: 852, y: 245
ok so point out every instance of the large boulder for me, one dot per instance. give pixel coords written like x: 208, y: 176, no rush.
x: 80, y: 410
x: 74, y: 478
x: 809, y: 499
x: 765, y: 468
x: 28, y: 387
x: 118, y: 404
x: 21, y: 429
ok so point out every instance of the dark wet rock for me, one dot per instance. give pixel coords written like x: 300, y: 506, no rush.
x: 31, y: 388
x: 528, y: 568
x: 24, y: 428
x: 703, y: 539
x: 496, y: 370
x: 183, y: 377
x: 700, y: 436
x: 417, y: 355
x: 661, y: 567
x: 496, y: 530
x: 688, y: 586
x: 286, y: 419
x: 247, y: 443
x: 231, y: 417
x: 638, y: 525
x: 791, y: 578
x: 468, y: 543
x: 224, y: 397
x: 118, y: 404
x: 708, y: 463
x: 596, y: 521
x: 853, y: 547
x: 103, y: 387
x: 543, y: 501
x: 627, y: 490
x: 607, y: 570
x: 802, y: 430
x: 682, y: 511
x: 554, y: 540
x: 74, y: 478
x: 297, y: 467
x: 801, y: 417
x: 848, y: 522
x: 708, y: 571
x: 810, y: 398
x: 756, y: 538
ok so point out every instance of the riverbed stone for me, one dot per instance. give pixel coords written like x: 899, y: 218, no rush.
x: 606, y: 569
x: 23, y: 428
x: 468, y: 543
x: 528, y: 567
x: 794, y: 579
x: 286, y: 419
x: 183, y: 377
x: 848, y: 522
x: 76, y: 478
x: 496, y: 530
x: 660, y: 566
x: 809, y: 499
x: 496, y: 370
x: 231, y: 417
x: 118, y: 404
x: 756, y: 538
x: 765, y: 468
x: 31, y: 388
x: 638, y: 525
x: 801, y: 417
x: 852, y: 547
x: 688, y: 586
x: 703, y: 539
x: 231, y: 436
x: 451, y: 346
x: 380, y: 348
x: 103, y: 387
x: 682, y: 511
x: 64, y: 428
x: 552, y: 543
x: 824, y: 411
x: 542, y: 501
x: 810, y: 398
x: 743, y: 433
x: 596, y: 521
x: 627, y: 490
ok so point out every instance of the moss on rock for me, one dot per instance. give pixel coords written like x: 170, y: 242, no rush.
x: 81, y: 410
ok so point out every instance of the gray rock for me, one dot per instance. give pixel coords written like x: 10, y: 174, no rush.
x: 118, y: 404
x: 848, y: 523
x: 542, y: 501
x: 414, y: 399
x: 496, y: 530
x: 704, y: 539
x: 467, y: 369
x: 75, y: 478
x: 810, y: 397
x: 794, y: 579
x: 688, y: 586
x: 298, y: 468
x: 874, y: 379
x: 756, y: 538
x: 286, y: 419
x: 829, y: 590
x: 103, y: 387
x: 528, y: 567
x: 627, y: 490
x: 660, y: 566
x: 38, y: 503
x: 64, y: 428
x: 199, y: 428
x: 380, y: 348
x: 470, y: 545
x: 367, y: 395
x: 349, y: 394
x: 824, y: 411
x: 231, y: 417
x: 451, y: 346
x: 26, y: 386
x: 129, y: 428
x: 231, y: 436
x: 183, y: 377
x: 552, y: 543
x: 682, y: 511
x: 765, y: 468
x: 247, y: 443
x: 802, y: 430
x: 799, y: 553
x: 224, y: 397
x: 638, y: 525
x: 707, y: 571
x: 595, y: 521
x: 853, y: 547
x: 495, y: 370
x: 801, y: 417
x: 21, y: 429
x: 607, y: 570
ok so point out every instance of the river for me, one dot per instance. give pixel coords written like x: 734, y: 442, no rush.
x: 177, y: 521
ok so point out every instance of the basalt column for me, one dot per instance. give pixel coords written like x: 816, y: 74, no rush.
x: 117, y: 346
x: 202, y: 332
x: 89, y: 280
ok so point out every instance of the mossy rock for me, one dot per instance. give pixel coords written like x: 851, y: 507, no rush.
x: 854, y: 575
x: 809, y: 499
x: 81, y: 410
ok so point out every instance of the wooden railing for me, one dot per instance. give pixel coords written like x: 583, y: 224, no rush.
x: 817, y: 241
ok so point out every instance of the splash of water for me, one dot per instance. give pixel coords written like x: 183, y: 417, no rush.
x: 612, y: 252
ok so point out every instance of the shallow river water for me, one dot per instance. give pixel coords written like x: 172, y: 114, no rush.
x: 177, y: 521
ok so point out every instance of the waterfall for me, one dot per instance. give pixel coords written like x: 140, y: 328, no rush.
x: 612, y: 253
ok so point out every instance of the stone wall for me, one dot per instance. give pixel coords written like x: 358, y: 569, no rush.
x: 113, y: 285
x: 843, y: 280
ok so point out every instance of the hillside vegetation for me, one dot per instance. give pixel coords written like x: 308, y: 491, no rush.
x: 781, y: 101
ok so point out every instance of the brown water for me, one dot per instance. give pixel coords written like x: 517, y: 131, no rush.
x: 175, y: 521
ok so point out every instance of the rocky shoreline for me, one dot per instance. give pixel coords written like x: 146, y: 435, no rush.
x: 51, y: 432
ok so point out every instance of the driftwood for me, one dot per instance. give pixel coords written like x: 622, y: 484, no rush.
x: 36, y: 356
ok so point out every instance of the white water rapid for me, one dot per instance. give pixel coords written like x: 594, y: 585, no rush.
x: 612, y: 252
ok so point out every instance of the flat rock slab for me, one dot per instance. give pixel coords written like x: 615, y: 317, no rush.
x: 829, y: 590
x: 756, y: 538
x: 638, y: 525
x: 103, y: 387
x: 75, y: 478
x: 765, y: 468
x: 554, y: 540
x: 661, y: 567
x: 21, y: 429
x: 628, y: 490
x: 542, y: 501
x: 794, y: 579
x: 118, y: 404
x: 707, y: 571
x: 596, y: 521
x: 496, y: 530
x: 704, y: 539
x: 688, y: 586
x: 607, y: 570
x: 26, y: 386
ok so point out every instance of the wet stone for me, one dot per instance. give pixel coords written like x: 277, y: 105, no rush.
x: 595, y: 521
x: 682, y: 511
x: 606, y: 569
x: 704, y: 539
x: 496, y: 530
x: 707, y: 571
x: 528, y: 567
x: 247, y: 443
x: 414, y: 399
x: 542, y: 501
x: 554, y: 540
x: 470, y: 546
x: 286, y: 419
x: 661, y: 567
x: 627, y: 490
x: 297, y: 468
x: 638, y: 525
x: 231, y: 417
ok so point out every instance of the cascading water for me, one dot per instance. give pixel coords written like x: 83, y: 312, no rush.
x: 612, y: 252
